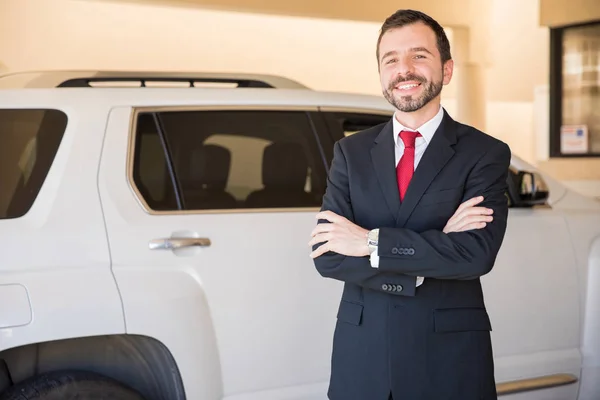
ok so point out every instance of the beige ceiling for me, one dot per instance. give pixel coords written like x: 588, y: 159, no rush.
x: 470, y: 20
x: 470, y: 17
x: 450, y: 13
x: 447, y: 12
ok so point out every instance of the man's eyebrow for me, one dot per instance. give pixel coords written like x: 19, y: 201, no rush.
x: 389, y: 53
x: 417, y: 49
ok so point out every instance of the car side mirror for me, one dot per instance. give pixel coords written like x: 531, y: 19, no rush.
x: 527, y: 189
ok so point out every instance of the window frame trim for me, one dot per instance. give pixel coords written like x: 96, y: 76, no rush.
x: 131, y: 143
x: 556, y: 90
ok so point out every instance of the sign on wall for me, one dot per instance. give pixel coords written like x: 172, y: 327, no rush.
x: 574, y: 139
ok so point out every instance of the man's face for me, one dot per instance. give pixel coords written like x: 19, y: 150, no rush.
x: 410, y: 67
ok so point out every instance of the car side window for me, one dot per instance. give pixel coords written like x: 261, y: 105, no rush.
x: 29, y: 141
x: 238, y: 159
x: 343, y: 124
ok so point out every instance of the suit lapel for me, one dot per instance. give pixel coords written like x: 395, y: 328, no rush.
x: 438, y: 153
x: 383, y: 158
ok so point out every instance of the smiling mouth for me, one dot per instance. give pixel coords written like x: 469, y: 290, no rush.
x: 407, y: 86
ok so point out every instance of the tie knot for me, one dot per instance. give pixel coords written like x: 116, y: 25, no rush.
x: 409, y: 137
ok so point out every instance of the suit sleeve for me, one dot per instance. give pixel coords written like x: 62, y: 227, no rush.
x: 457, y: 255
x: 355, y: 270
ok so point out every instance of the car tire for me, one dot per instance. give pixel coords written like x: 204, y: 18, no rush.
x: 70, y: 385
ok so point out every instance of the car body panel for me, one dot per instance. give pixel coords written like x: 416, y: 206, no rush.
x: 58, y: 252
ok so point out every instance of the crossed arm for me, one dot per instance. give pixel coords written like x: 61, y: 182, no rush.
x: 465, y: 249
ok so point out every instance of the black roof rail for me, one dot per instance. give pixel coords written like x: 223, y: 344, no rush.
x: 84, y: 79
x: 87, y: 82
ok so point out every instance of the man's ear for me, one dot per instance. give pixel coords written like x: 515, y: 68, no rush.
x: 447, y: 70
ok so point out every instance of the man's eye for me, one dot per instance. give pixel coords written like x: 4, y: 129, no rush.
x: 390, y: 61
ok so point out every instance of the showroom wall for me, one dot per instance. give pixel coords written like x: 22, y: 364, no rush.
x: 323, y: 54
x: 518, y: 66
x: 506, y: 43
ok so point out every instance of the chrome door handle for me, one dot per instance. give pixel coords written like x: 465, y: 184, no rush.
x: 178, y: 243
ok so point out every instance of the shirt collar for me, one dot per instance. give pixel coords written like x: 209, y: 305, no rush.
x: 427, y: 130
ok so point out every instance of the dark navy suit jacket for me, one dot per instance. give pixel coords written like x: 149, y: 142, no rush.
x: 430, y: 342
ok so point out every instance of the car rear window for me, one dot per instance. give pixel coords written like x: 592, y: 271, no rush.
x: 29, y: 140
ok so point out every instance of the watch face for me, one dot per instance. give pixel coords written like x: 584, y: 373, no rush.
x: 373, y: 239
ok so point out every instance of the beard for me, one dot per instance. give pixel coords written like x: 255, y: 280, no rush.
x: 407, y: 103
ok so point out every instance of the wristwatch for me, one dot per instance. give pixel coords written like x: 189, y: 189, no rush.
x: 373, y: 240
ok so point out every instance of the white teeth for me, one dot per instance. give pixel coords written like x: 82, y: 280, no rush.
x: 404, y: 87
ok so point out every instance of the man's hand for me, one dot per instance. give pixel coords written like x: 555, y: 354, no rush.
x: 468, y: 217
x: 339, y: 235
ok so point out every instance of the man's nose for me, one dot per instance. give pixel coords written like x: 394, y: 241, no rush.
x: 404, y: 67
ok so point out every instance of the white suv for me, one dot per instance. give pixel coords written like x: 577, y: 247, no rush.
x: 154, y: 243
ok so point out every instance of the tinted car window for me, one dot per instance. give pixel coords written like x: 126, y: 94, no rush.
x: 347, y: 123
x: 151, y: 171
x: 210, y: 160
x: 29, y: 141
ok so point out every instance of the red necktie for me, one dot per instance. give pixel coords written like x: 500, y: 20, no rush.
x: 406, y: 165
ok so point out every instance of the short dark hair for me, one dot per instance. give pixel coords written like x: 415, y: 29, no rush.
x: 406, y: 17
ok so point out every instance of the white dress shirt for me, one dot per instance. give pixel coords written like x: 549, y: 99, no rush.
x: 427, y: 130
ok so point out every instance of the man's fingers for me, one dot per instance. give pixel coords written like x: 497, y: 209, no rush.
x: 320, y: 228
x: 475, y: 225
x: 471, y: 226
x: 467, y: 216
x: 473, y: 219
x: 468, y: 227
x: 473, y: 211
x: 467, y: 222
x: 330, y: 216
x: 320, y: 251
x: 470, y: 211
x: 470, y: 203
x: 321, y: 237
x: 467, y: 205
x: 478, y: 210
x: 322, y: 232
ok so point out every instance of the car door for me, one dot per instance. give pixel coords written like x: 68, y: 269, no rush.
x: 531, y: 294
x: 209, y: 212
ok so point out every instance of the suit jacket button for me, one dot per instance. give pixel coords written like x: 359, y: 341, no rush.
x: 384, y: 287
x: 395, y: 250
x: 399, y: 288
x: 411, y: 252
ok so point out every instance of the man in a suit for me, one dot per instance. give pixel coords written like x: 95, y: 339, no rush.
x: 414, y: 214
